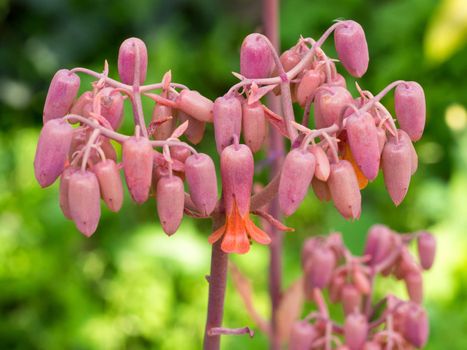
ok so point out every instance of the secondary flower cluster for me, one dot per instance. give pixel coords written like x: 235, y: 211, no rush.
x: 351, y: 140
x: 349, y: 280
x: 86, y: 161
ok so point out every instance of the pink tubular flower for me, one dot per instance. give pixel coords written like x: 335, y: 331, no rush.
x: 302, y: 335
x: 306, y: 89
x: 200, y: 174
x: 426, y: 245
x: 237, y: 168
x: 62, y: 92
x: 170, y: 199
x: 52, y: 151
x: 415, y: 325
x: 195, y: 105
x: 330, y: 101
x: 297, y: 171
x: 355, y: 331
x: 110, y: 183
x: 396, y: 162
x: 127, y: 60
x: 195, y: 130
x: 112, y: 107
x: 162, y: 122
x: 344, y: 189
x: 363, y: 140
x: 352, y: 48
x: 409, y: 102
x: 84, y: 201
x: 253, y: 125
x: 63, y: 191
x: 137, y: 166
x: 255, y: 57
x: 227, y: 113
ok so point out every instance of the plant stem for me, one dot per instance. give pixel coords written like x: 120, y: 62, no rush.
x: 276, y: 147
x: 217, y: 282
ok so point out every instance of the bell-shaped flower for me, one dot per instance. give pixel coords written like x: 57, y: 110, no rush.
x: 237, y: 168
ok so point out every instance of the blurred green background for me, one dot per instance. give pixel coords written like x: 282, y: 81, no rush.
x: 131, y: 287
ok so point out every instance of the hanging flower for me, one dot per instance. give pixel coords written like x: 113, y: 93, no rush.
x: 237, y: 167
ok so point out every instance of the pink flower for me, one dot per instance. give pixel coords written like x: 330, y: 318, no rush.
x: 237, y: 167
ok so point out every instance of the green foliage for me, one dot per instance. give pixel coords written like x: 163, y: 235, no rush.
x: 131, y: 287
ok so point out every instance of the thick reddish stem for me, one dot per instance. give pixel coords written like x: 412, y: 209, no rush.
x: 217, y: 282
x: 276, y: 147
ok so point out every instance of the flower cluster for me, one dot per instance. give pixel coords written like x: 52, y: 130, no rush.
x: 349, y: 280
x: 351, y: 140
x: 86, y: 161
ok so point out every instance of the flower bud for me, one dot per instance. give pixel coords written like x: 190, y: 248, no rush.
x: 355, y: 331
x: 170, y: 203
x: 64, y: 186
x: 321, y: 189
x: 289, y: 59
x: 319, y: 268
x: 253, y: 125
x: 323, y: 167
x: 415, y: 325
x: 352, y: 48
x: 363, y: 140
x: 180, y: 153
x: 307, y: 87
x: 84, y: 201
x: 361, y: 281
x: 335, y: 288
x: 227, y: 113
x: 256, y: 59
x: 62, y: 92
x: 338, y: 80
x: 52, y: 151
x: 302, y: 336
x: 410, y: 106
x: 426, y: 245
x: 378, y: 244
x: 83, y: 105
x: 195, y: 130
x: 396, y: 162
x: 110, y: 183
x: 162, y: 131
x: 127, y: 55
x: 237, y: 168
x: 196, y: 105
x: 137, y: 161
x: 330, y: 101
x: 108, y: 148
x: 112, y: 107
x: 200, y: 174
x: 296, y: 175
x: 344, y: 189
x: 308, y: 248
x: 404, y: 265
x: 351, y: 299
x: 414, y: 284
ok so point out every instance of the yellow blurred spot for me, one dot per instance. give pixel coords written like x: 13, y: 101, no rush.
x: 447, y: 30
x: 456, y: 117
x: 430, y: 152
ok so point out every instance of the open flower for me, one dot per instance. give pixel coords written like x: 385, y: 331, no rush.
x: 237, y: 166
